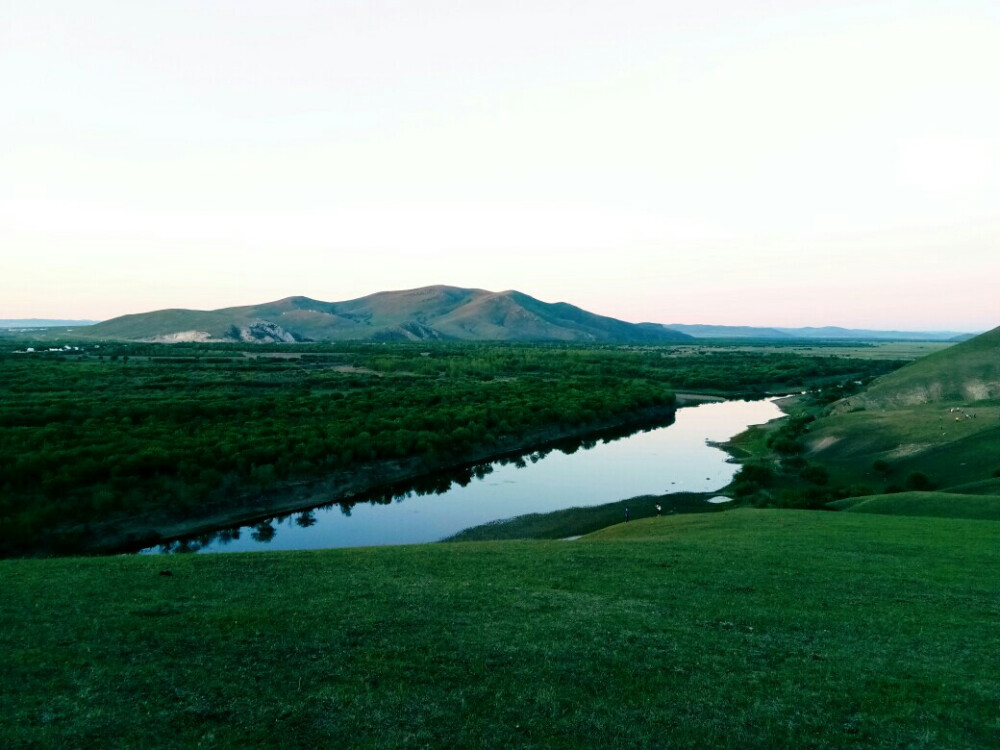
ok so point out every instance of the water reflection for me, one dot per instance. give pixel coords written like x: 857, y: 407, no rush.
x: 439, y: 483
x: 601, y: 468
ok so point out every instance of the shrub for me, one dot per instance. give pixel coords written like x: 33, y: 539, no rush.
x: 785, y: 445
x: 918, y: 481
x: 816, y: 474
x: 794, y: 463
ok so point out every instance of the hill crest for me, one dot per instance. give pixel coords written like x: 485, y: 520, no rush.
x: 425, y: 313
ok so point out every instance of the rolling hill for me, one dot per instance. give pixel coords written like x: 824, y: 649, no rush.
x: 938, y: 417
x: 966, y: 372
x: 427, y: 313
x: 926, y: 504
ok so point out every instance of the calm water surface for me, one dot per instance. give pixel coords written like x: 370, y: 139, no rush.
x: 675, y: 458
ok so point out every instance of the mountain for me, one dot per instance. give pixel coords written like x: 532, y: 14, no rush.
x: 42, y: 323
x: 826, y: 333
x: 967, y: 371
x: 728, y: 332
x: 427, y: 313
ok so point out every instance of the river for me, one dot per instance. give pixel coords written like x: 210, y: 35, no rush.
x: 675, y: 458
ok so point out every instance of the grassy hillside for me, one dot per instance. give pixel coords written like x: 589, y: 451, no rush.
x: 984, y: 487
x: 161, y: 323
x: 742, y: 629
x: 931, y: 504
x: 948, y: 447
x: 933, y: 424
x: 966, y: 372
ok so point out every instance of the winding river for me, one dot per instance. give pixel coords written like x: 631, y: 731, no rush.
x: 679, y: 457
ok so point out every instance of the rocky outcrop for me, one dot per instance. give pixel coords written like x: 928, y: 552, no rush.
x: 263, y: 332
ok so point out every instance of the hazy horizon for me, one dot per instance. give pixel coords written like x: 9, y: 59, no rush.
x: 780, y: 164
x: 84, y: 321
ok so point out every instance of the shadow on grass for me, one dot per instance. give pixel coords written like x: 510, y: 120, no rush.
x: 579, y: 521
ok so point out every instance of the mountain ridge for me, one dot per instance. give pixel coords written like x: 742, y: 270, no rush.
x: 425, y: 313
x: 43, y: 323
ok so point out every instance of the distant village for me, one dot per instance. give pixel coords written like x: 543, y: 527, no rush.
x: 67, y: 348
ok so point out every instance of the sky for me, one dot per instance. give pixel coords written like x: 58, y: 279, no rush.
x: 734, y: 162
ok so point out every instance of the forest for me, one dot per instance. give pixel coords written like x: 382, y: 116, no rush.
x: 93, y: 432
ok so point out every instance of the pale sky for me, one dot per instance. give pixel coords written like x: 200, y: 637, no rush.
x: 722, y: 161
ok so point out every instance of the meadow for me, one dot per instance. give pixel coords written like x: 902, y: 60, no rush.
x: 750, y: 628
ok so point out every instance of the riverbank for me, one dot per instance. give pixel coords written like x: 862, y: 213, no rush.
x: 134, y: 533
x: 580, y: 520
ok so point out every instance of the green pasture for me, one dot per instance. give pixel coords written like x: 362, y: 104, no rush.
x: 931, y: 504
x: 750, y: 628
x: 949, y: 443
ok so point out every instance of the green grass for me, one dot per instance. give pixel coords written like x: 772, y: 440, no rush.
x: 933, y: 504
x: 925, y: 438
x: 561, y: 524
x: 870, y: 350
x: 741, y: 629
x: 984, y: 487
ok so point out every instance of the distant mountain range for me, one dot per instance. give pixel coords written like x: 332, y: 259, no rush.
x: 428, y: 313
x: 433, y: 313
x: 42, y: 323
x: 826, y: 333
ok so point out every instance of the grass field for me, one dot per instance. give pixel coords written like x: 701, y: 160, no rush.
x: 931, y: 504
x: 984, y: 487
x: 878, y: 350
x: 750, y: 628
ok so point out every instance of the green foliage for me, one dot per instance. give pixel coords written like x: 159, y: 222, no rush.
x: 881, y: 466
x: 815, y: 474
x: 751, y: 479
x: 918, y: 481
x: 189, y: 429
